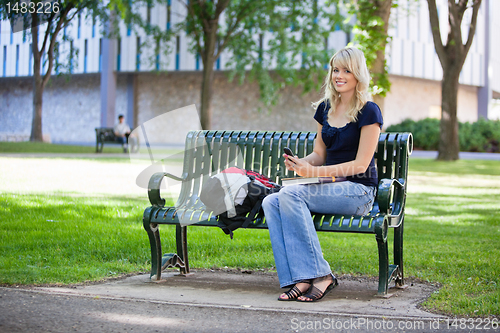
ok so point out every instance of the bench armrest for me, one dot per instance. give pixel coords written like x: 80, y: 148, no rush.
x: 390, y: 196
x: 154, y: 187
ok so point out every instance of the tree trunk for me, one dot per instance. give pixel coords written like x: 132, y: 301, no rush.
x: 208, y: 76
x: 41, y: 80
x: 378, y: 68
x: 36, y: 126
x: 207, y: 94
x: 448, y: 140
x: 380, y: 101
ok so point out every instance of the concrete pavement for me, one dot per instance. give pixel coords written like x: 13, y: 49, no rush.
x: 462, y: 155
x: 213, y: 301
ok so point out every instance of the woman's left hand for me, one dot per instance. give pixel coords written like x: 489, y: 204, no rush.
x: 300, y: 166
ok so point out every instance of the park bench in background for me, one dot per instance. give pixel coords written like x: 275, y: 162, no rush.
x: 207, y: 152
x: 107, y: 135
x: 104, y: 135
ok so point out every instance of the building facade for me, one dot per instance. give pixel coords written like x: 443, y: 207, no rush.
x: 123, y: 76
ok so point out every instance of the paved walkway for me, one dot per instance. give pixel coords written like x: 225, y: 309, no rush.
x: 462, y: 155
x: 213, y: 301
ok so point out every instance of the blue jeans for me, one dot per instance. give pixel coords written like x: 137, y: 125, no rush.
x: 122, y: 139
x: 296, y: 248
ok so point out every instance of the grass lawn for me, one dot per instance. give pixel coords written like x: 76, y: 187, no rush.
x: 159, y: 151
x: 42, y: 147
x: 452, y: 238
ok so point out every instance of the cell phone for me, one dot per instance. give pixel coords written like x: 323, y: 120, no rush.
x: 289, y: 152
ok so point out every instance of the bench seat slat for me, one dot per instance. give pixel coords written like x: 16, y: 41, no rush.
x: 322, y: 222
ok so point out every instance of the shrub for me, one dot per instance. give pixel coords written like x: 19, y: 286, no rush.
x: 425, y: 132
x: 490, y: 131
x: 481, y: 136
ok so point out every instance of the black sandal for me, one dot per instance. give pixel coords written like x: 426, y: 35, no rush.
x: 293, y: 293
x: 315, y: 294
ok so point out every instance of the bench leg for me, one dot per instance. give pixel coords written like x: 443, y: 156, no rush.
x: 181, y: 242
x: 169, y: 260
x: 398, y: 254
x: 383, y: 262
x: 155, y: 244
x: 383, y: 255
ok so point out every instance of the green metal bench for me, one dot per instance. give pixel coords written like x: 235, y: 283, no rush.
x: 104, y: 135
x: 107, y: 135
x: 207, y: 152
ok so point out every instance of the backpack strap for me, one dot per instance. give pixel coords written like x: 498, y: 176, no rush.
x: 253, y: 212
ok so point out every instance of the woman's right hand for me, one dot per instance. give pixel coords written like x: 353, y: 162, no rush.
x: 300, y: 166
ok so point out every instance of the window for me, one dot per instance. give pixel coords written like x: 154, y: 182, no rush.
x: 169, y: 13
x: 44, y: 62
x: 85, y: 54
x: 71, y: 55
x: 118, y: 54
x: 100, y: 53
x: 30, y: 61
x: 217, y: 62
x: 4, y: 60
x: 79, y: 25
x: 157, y: 62
x: 148, y: 14
x: 138, y: 54
x: 261, y: 46
x: 129, y: 25
x: 56, y: 56
x: 178, y: 53
x: 17, y: 60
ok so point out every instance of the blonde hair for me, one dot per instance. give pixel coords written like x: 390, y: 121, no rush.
x: 354, y: 61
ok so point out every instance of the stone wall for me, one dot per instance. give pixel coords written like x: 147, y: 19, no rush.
x: 16, y: 109
x: 71, y: 105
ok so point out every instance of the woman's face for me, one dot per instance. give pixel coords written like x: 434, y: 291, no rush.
x: 343, y: 80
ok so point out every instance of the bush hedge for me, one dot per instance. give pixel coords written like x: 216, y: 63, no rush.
x: 481, y: 136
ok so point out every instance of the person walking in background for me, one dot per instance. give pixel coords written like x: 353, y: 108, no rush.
x: 122, y: 131
x: 348, y: 131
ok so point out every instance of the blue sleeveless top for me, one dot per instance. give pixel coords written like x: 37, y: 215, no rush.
x: 342, y: 143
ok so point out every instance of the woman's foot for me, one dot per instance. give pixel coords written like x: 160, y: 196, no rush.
x: 320, y: 287
x: 297, y: 290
